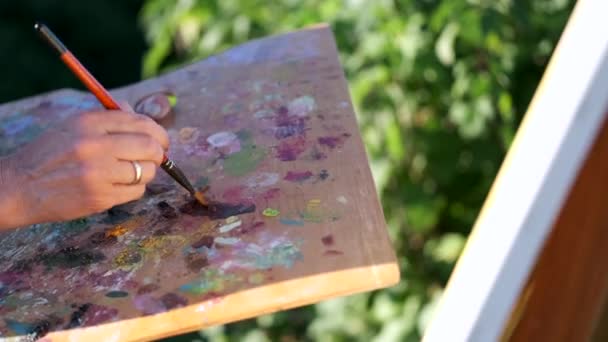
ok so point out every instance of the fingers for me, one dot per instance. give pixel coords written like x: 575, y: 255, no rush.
x: 115, y: 122
x: 134, y: 147
x: 124, y: 172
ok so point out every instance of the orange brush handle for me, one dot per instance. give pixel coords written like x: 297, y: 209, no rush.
x: 89, y: 81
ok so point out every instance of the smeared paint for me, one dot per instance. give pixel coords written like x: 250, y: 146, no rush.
x: 71, y: 257
x: 205, y: 241
x: 148, y: 288
x: 323, y: 175
x: 228, y: 241
x: 247, y: 229
x: 128, y: 258
x: 216, y: 210
x: 231, y: 120
x: 166, y: 210
x: 77, y: 317
x: 298, y: 177
x: 20, y: 328
x: 291, y: 222
x: 333, y: 252
x: 263, y: 114
x: 171, y: 301
x: 263, y: 179
x: 328, y: 240
x: 230, y: 225
x: 211, y: 280
x: 117, y: 294
x: 125, y: 227
x: 316, y: 154
x: 288, y: 126
x: 271, y: 194
x: 245, y: 161
x: 148, y: 305
x: 315, y: 213
x: 333, y: 141
x: 234, y: 194
x: 302, y: 106
x: 195, y: 262
x: 277, y: 251
x: 290, y: 150
x: 187, y: 135
x: 222, y: 139
x: 269, y: 212
x: 342, y: 199
x: 101, y: 239
x: 97, y: 314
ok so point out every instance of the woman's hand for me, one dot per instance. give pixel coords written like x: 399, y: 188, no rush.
x: 80, y: 167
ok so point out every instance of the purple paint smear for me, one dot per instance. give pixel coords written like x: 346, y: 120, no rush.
x: 333, y: 141
x: 97, y: 314
x: 298, y: 177
x: 290, y: 150
x: 288, y: 126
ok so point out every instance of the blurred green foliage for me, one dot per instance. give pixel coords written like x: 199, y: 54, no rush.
x: 440, y: 88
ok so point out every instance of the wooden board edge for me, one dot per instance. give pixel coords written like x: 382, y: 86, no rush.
x: 213, y: 312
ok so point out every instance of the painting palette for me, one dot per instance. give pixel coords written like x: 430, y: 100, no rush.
x: 269, y: 128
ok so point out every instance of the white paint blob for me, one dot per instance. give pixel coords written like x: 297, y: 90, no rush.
x: 222, y: 139
x: 302, y: 106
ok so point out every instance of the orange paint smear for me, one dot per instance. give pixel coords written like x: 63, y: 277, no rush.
x: 125, y: 227
x: 201, y: 198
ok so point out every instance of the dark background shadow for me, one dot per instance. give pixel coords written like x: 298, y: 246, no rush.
x: 103, y: 34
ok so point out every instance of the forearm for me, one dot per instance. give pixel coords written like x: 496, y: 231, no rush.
x: 12, y: 211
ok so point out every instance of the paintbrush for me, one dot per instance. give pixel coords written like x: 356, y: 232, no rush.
x: 108, y: 102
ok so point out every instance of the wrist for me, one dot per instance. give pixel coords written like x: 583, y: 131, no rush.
x: 12, y: 213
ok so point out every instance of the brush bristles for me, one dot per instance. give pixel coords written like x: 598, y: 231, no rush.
x: 201, y: 198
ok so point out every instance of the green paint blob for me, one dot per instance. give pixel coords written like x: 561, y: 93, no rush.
x: 270, y: 212
x: 244, y: 161
x: 283, y: 253
x: 172, y: 100
x: 117, y: 294
x: 247, y: 159
x: 211, y: 280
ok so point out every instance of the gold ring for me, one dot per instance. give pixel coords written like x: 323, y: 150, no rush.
x: 138, y: 172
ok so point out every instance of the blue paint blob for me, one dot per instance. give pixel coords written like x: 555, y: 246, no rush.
x: 291, y: 222
x: 19, y: 327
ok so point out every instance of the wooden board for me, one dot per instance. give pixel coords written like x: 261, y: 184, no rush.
x: 270, y: 126
x: 540, y: 178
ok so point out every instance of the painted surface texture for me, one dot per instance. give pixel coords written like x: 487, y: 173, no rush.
x: 271, y: 142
